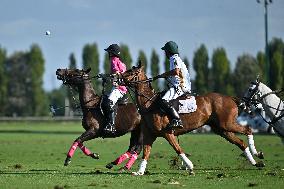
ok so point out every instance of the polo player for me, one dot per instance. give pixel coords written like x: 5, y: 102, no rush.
x: 179, y: 83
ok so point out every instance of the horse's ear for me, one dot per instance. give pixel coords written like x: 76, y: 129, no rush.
x: 257, y: 79
x: 87, y: 70
x: 139, y: 64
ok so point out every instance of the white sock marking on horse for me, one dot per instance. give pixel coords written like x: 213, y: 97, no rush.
x: 143, y: 166
x: 187, y: 162
x: 249, y: 156
x: 251, y: 145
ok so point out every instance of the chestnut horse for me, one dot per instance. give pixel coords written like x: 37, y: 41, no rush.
x: 213, y: 109
x: 127, y: 119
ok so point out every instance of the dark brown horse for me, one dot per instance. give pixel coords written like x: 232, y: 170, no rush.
x: 127, y: 119
x: 213, y: 109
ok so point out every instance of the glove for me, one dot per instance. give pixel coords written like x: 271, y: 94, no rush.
x: 99, y: 76
x: 115, y: 76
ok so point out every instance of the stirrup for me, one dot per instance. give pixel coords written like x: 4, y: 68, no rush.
x: 110, y: 129
x: 175, y: 124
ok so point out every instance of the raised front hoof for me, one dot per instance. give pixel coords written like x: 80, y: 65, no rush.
x: 95, y: 156
x: 137, y: 173
x: 109, y: 166
x: 260, y: 164
x: 260, y: 155
x: 67, y: 161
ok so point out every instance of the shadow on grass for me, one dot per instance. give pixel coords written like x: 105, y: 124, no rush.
x: 97, y: 172
x: 40, y: 132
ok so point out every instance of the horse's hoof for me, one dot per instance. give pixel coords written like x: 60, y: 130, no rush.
x: 109, y: 166
x: 243, y: 155
x: 260, y: 155
x: 122, y: 170
x: 191, y: 172
x: 137, y: 173
x: 67, y: 161
x: 260, y: 164
x: 95, y: 156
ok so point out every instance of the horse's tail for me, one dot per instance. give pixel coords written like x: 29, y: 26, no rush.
x: 236, y: 99
x: 239, y: 103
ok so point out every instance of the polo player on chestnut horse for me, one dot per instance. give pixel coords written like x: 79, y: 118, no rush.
x: 160, y: 119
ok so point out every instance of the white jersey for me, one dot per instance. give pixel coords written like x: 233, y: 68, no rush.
x: 182, y: 80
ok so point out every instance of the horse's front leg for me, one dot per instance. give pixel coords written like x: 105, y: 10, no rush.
x: 173, y: 142
x: 145, y: 158
x: 87, y: 135
x: 148, y: 140
x: 132, y: 153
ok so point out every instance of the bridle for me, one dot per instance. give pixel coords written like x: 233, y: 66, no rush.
x: 134, y: 80
x: 251, y: 100
x: 253, y: 92
x: 74, y: 79
x: 71, y: 80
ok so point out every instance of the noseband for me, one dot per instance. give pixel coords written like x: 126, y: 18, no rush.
x: 69, y: 80
x: 249, y: 100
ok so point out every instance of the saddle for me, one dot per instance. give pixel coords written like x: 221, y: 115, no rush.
x: 186, y: 103
x: 123, y: 100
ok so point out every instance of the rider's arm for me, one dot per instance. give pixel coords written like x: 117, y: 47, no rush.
x: 173, y: 72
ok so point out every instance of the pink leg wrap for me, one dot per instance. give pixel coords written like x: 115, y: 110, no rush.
x: 121, y: 158
x: 72, y: 149
x: 131, y: 161
x: 84, y: 149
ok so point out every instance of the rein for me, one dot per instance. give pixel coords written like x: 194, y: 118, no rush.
x: 275, y: 119
x: 140, y: 94
x: 84, y: 78
x: 133, y: 89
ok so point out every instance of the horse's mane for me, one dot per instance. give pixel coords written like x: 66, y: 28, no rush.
x: 146, y: 78
x: 265, y: 89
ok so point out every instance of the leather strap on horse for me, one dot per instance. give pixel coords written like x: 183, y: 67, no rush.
x: 279, y: 91
x: 275, y: 119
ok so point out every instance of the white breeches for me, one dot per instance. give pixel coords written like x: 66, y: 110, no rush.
x: 173, y: 93
x: 115, y: 94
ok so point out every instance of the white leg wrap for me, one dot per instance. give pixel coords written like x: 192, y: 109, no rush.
x: 251, y: 145
x: 143, y: 166
x: 249, y: 156
x: 187, y: 162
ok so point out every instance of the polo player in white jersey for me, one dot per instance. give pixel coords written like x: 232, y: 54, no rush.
x: 179, y: 82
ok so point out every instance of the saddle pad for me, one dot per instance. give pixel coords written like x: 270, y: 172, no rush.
x: 187, y: 105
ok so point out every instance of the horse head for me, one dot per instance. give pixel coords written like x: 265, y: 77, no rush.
x: 251, y: 96
x: 134, y: 75
x: 73, y: 77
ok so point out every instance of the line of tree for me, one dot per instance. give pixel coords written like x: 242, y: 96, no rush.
x: 21, y: 75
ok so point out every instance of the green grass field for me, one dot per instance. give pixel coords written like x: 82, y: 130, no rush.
x: 32, y: 156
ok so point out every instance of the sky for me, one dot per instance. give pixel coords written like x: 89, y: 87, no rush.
x: 236, y: 25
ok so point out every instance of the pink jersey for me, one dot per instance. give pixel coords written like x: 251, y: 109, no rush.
x: 118, y: 67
